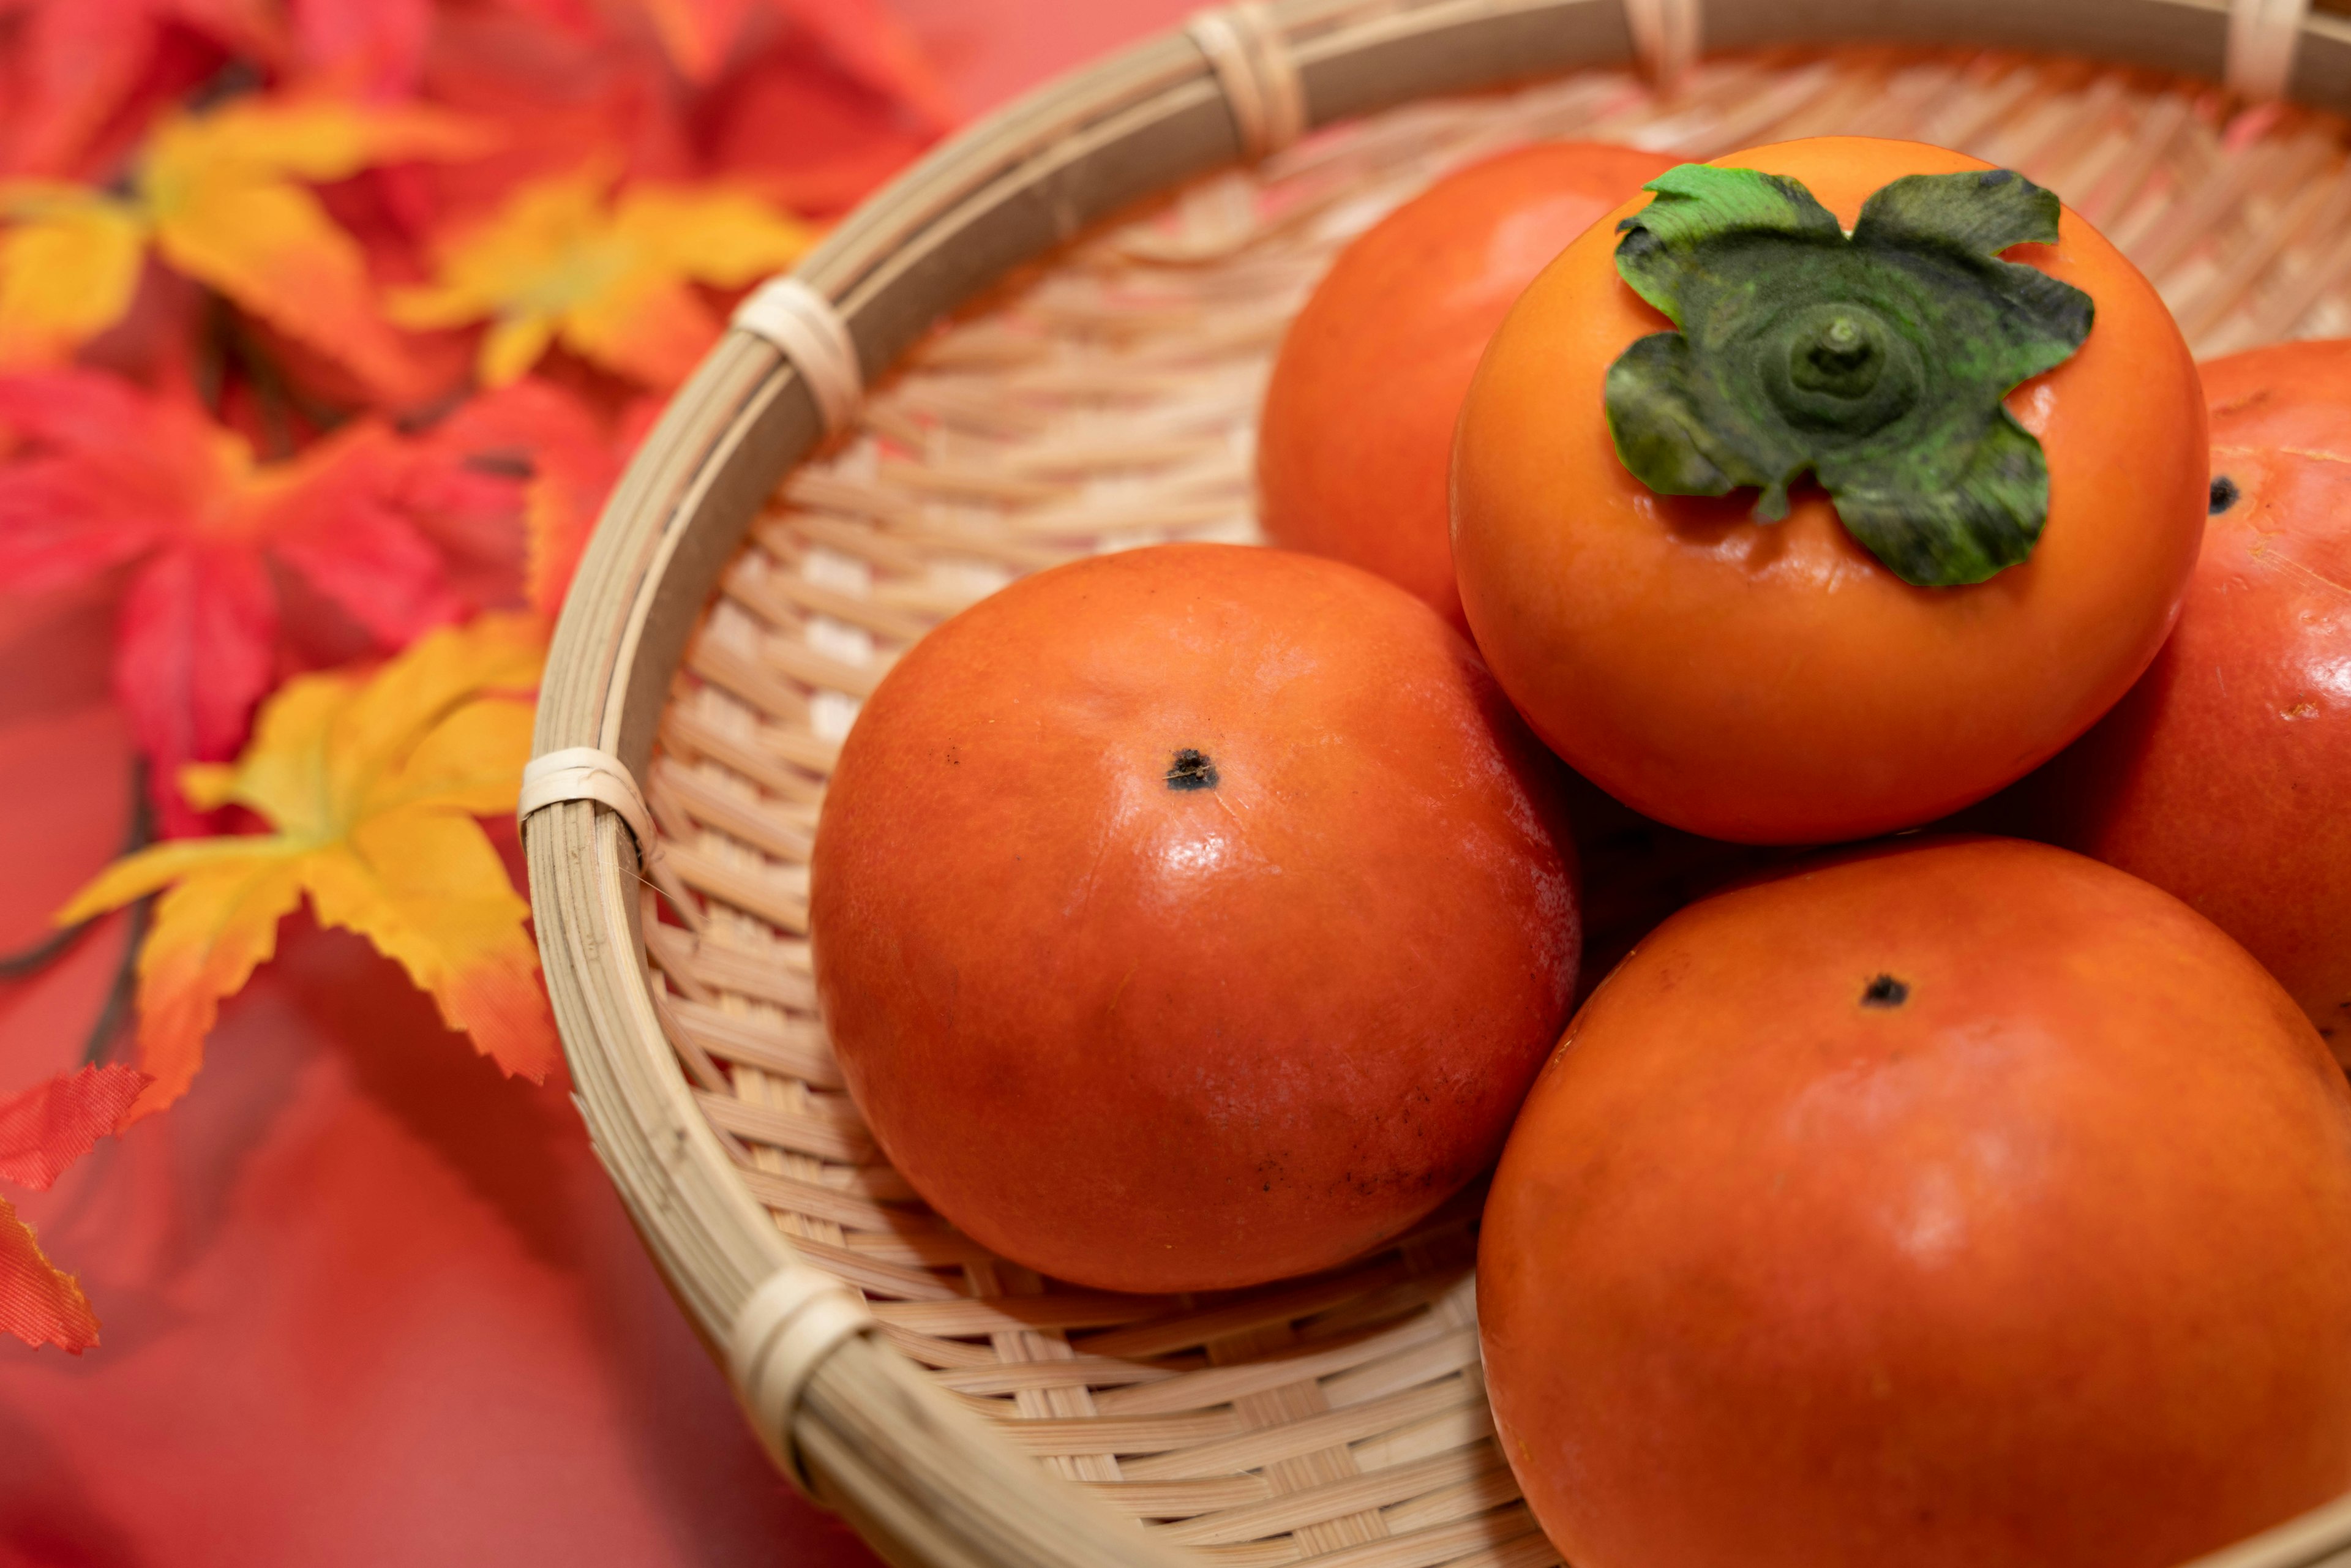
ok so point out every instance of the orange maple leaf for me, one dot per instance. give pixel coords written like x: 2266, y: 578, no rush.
x: 43, y: 1130
x: 220, y: 198
x: 40, y: 1303
x: 563, y: 262
x: 371, y: 785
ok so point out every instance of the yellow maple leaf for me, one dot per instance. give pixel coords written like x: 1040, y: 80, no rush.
x: 371, y: 785
x: 220, y: 198
x: 563, y: 262
x: 68, y: 266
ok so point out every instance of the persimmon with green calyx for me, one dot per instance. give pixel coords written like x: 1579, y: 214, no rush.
x: 1953, y: 1203
x: 1777, y: 681
x: 1191, y: 916
x: 2225, y: 776
x: 1876, y: 361
x: 1357, y: 427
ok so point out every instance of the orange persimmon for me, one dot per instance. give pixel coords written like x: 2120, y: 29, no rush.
x: 1964, y: 1203
x: 2225, y: 776
x: 1783, y: 681
x: 1358, y: 421
x: 1191, y: 916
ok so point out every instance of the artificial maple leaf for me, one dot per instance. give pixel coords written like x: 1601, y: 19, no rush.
x: 84, y: 65
x: 372, y: 784
x: 105, y: 475
x: 70, y: 264
x: 220, y: 199
x: 868, y: 42
x: 40, y: 1303
x: 43, y: 1130
x: 46, y: 1128
x: 563, y: 262
x: 372, y: 48
x: 562, y: 455
x: 802, y: 134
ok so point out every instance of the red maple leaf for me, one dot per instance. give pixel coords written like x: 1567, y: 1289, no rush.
x: 559, y: 455
x: 43, y: 1130
x: 46, y: 1128
x: 106, y: 475
x: 83, y: 68
x: 371, y: 47
x: 863, y: 38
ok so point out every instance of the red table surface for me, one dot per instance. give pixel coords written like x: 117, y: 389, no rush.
x: 364, y: 1302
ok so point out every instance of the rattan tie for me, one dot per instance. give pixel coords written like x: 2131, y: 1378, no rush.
x: 805, y: 328
x: 1261, y: 80
x: 1665, y: 36
x: 585, y: 773
x: 785, y: 1328
x: 2264, y: 36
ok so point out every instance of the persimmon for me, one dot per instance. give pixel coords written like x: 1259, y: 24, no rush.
x: 2007, y: 484
x: 1191, y: 916
x: 2225, y: 775
x: 1357, y: 427
x: 1964, y: 1203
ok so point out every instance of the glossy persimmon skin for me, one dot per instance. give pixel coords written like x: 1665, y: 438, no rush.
x: 1151, y: 1038
x: 1773, y: 682
x: 2225, y: 776
x: 2042, y: 1266
x: 1357, y: 428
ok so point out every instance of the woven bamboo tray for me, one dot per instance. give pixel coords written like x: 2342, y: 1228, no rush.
x: 1120, y: 253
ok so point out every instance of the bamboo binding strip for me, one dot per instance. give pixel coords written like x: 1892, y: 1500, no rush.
x: 1105, y: 399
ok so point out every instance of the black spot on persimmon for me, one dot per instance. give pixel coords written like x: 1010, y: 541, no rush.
x: 2224, y: 495
x: 1191, y: 769
x: 1884, y: 991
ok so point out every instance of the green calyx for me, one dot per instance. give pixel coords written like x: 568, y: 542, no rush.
x: 1877, y: 363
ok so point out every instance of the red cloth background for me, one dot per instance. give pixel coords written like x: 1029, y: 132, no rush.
x: 364, y: 1302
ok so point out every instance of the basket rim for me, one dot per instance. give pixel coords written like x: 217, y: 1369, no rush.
x: 936, y: 1485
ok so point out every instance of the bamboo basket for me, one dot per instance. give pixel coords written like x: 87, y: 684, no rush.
x: 1119, y: 253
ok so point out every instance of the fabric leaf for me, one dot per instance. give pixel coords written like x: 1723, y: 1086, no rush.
x: 86, y: 62
x: 43, y: 1130
x: 370, y: 786
x: 222, y: 198
x: 105, y: 473
x: 389, y: 721
x: 151, y: 870
x: 69, y: 264
x: 192, y: 652
x: 211, y: 930
x: 221, y: 194
x: 467, y: 763
x: 372, y: 48
x: 428, y: 889
x: 46, y: 1128
x: 562, y: 262
x: 39, y: 1303
x: 864, y: 38
x: 559, y: 455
